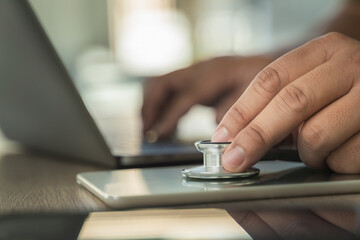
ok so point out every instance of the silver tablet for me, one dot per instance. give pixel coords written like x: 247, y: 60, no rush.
x: 166, y: 186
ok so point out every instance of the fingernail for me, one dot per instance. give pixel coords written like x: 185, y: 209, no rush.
x: 221, y: 135
x: 152, y: 135
x: 234, y: 158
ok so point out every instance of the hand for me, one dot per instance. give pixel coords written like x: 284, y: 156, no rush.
x: 315, y: 87
x: 217, y: 82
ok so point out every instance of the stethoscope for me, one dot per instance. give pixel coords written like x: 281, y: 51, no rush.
x: 212, y: 168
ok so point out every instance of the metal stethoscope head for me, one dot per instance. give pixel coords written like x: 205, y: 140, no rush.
x: 212, y: 168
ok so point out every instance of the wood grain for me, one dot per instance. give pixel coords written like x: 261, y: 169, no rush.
x: 32, y: 182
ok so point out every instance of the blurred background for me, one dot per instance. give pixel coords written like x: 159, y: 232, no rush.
x: 110, y: 47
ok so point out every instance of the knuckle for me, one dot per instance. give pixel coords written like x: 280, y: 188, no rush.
x: 324, y: 53
x: 258, y: 134
x: 330, y: 43
x: 333, y: 37
x: 313, y: 137
x: 293, y: 99
x: 268, y: 80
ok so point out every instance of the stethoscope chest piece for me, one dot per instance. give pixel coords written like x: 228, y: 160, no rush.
x: 212, y: 168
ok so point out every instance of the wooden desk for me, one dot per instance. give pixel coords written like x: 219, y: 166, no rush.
x: 33, y: 182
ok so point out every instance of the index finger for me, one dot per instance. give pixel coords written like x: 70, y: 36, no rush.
x: 267, y: 84
x: 287, y: 110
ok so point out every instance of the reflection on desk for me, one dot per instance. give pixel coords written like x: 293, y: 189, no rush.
x: 267, y: 223
x: 176, y: 224
x: 162, y: 224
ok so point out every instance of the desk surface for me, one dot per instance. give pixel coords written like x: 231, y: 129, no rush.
x: 34, y: 182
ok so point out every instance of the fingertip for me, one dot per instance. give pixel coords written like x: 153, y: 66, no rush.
x: 147, y: 122
x: 221, y: 135
x: 233, y: 160
x: 151, y: 135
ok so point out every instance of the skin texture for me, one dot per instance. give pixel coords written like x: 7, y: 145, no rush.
x: 315, y: 88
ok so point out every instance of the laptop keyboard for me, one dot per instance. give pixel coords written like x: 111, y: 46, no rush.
x: 124, y: 137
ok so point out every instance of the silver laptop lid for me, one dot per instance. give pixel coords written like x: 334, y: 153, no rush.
x: 39, y: 105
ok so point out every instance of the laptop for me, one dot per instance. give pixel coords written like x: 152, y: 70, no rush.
x: 41, y: 108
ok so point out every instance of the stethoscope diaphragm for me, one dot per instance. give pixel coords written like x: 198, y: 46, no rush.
x: 212, y: 168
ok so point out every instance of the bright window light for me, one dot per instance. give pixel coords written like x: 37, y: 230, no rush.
x: 151, y: 40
